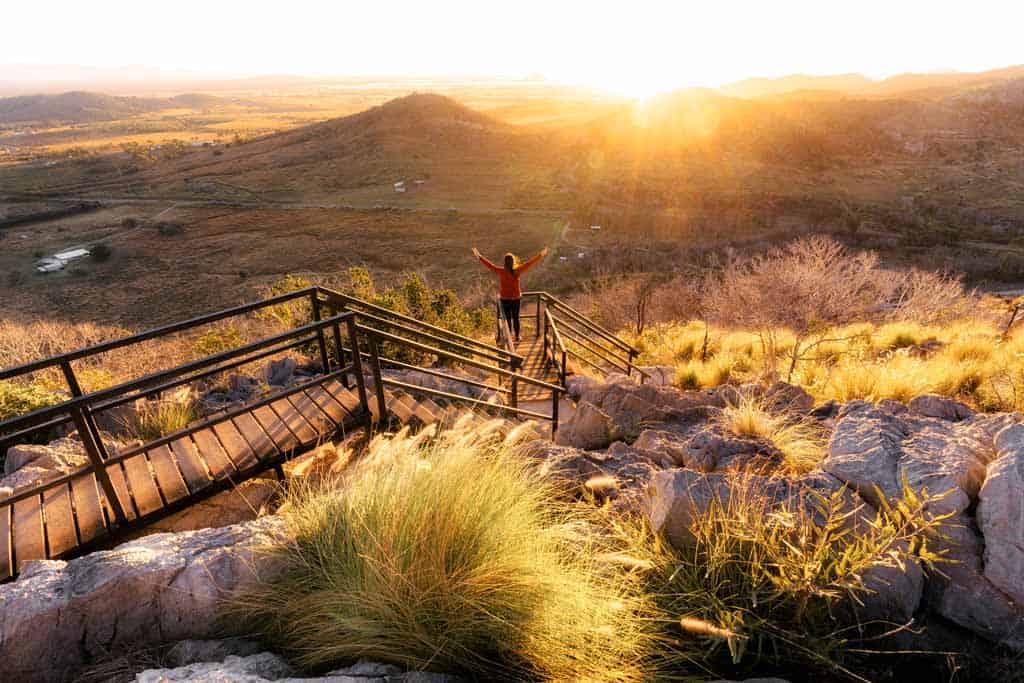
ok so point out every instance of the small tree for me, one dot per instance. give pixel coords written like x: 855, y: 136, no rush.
x: 809, y: 286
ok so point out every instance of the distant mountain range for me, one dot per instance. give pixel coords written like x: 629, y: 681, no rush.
x: 86, y: 107
x: 937, y: 84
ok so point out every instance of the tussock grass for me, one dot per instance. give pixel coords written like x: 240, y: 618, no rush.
x: 450, y: 555
x: 166, y: 417
x: 762, y: 590
x: 801, y: 441
x: 971, y: 361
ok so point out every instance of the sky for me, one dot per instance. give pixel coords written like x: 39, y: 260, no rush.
x: 631, y: 47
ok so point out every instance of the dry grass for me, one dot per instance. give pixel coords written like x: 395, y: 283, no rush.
x: 800, y: 440
x: 450, y: 555
x: 970, y: 361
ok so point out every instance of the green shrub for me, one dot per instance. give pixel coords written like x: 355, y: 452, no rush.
x: 100, y: 252
x: 18, y: 399
x: 454, y: 557
x: 218, y: 340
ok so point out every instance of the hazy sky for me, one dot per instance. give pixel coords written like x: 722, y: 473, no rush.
x: 631, y: 46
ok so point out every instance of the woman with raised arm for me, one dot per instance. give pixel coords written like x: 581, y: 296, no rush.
x: 509, y: 291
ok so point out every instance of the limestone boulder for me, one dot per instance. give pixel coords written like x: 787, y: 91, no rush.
x: 942, y: 407
x: 619, y: 472
x: 677, y: 498
x: 279, y: 372
x: 159, y: 589
x: 948, y: 460
x: 266, y: 666
x: 62, y: 455
x: 589, y: 428
x: 1001, y: 514
x: 961, y: 593
x: 864, y: 450
x: 668, y: 448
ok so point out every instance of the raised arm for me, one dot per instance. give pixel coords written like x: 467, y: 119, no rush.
x: 488, y: 264
x: 532, y: 262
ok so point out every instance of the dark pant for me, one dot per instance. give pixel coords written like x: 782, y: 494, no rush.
x: 510, y: 311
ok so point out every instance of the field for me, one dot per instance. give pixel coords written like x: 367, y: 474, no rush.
x: 211, y: 195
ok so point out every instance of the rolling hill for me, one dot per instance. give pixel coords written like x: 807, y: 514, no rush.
x: 90, y: 107
x: 455, y: 150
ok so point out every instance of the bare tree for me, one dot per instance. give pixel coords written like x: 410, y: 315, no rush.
x: 808, y: 286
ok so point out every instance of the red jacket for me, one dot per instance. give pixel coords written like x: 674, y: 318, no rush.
x: 510, y: 281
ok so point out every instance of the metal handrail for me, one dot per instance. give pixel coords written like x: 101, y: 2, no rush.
x: 411, y: 330
x: 586, y: 341
x: 438, y: 331
x: 169, y: 438
x: 151, y: 334
x: 593, y: 347
x: 465, y: 399
x: 385, y: 336
x: 41, y: 414
x: 594, y: 327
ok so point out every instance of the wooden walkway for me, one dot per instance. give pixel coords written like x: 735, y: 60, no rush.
x: 534, y: 365
x: 63, y: 520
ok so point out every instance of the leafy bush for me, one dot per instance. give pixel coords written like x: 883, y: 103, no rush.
x: 17, y: 398
x: 455, y: 557
x: 218, y: 340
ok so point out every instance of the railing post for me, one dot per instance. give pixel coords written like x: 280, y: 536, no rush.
x: 89, y: 433
x: 554, y: 413
x: 378, y: 381
x: 563, y: 371
x: 536, y: 327
x: 357, y: 368
x: 320, y: 340
x: 514, y: 394
x: 339, y: 353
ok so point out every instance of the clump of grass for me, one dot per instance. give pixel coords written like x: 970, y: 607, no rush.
x: 166, y: 417
x: 761, y: 588
x: 450, y: 555
x: 800, y: 440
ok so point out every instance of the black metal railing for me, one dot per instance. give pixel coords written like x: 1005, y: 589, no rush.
x: 345, y: 333
x: 567, y: 333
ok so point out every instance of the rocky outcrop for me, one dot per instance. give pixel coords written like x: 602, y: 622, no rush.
x: 158, y: 589
x: 589, y: 428
x: 266, y: 666
x: 1001, y: 514
x: 27, y: 465
x: 932, y: 405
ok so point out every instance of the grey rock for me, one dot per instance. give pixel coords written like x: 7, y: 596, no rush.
x: 933, y: 405
x: 191, y: 651
x: 589, y: 428
x: 1001, y: 515
x: 864, y: 451
x: 159, y: 589
x: 265, y: 666
x: 60, y: 456
x: 279, y: 372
